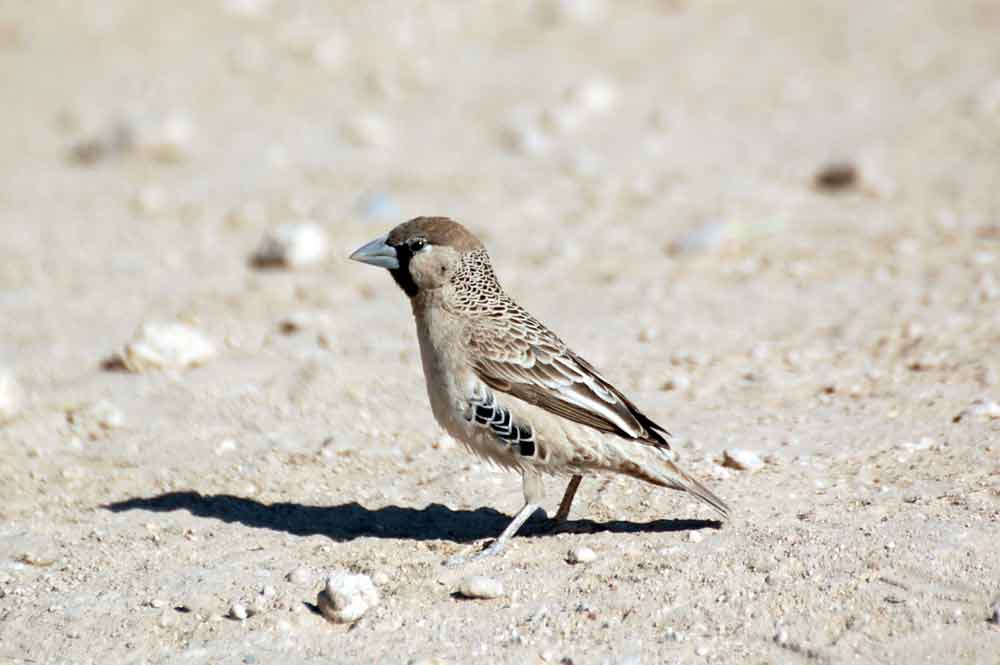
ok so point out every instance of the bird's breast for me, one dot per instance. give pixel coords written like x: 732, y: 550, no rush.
x: 446, y: 369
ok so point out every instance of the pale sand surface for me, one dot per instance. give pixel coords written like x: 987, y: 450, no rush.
x: 837, y: 335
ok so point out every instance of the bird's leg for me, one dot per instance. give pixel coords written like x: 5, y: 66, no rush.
x: 533, y: 493
x: 567, y: 499
x: 496, y: 547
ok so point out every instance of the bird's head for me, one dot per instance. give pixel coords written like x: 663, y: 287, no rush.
x: 421, y: 254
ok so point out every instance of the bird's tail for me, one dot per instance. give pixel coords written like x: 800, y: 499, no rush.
x: 692, y: 486
x: 663, y: 472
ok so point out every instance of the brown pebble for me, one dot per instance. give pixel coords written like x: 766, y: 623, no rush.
x: 836, y: 176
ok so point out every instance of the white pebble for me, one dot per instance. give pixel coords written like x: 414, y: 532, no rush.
x: 444, y: 442
x: 225, y: 446
x: 149, y: 201
x: 594, y: 97
x: 108, y: 415
x: 574, y: 11
x: 527, y: 139
x: 925, y: 443
x: 479, y: 586
x: 347, y: 597
x: 369, y: 131
x: 982, y: 409
x: 742, y: 460
x: 695, y: 537
x: 171, y: 141
x: 247, y: 8
x: 11, y: 396
x: 299, y: 576
x: 292, y: 245
x: 168, y: 346
x: 581, y: 555
x: 296, y: 322
x: 92, y: 418
x: 238, y: 611
x: 705, y: 238
x: 678, y: 382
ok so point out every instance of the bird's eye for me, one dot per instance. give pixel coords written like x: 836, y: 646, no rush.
x: 417, y: 244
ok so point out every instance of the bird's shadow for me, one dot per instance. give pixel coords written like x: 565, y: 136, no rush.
x: 352, y: 520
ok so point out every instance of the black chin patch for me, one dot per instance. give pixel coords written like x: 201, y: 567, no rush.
x: 402, y: 274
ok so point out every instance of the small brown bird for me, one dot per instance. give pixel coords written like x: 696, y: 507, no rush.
x: 505, y: 385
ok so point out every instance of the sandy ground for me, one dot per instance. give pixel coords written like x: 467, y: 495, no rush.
x: 642, y: 173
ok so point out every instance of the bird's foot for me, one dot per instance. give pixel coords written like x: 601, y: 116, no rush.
x: 494, y: 548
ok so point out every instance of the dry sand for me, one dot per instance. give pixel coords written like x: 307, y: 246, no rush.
x: 642, y: 173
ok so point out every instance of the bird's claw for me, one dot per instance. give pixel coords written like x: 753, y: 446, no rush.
x: 495, y: 548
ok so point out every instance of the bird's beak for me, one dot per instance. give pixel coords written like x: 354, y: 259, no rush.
x: 377, y: 253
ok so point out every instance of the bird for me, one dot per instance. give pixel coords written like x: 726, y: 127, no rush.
x: 506, y: 386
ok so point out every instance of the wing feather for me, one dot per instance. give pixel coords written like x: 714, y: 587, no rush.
x: 529, y: 362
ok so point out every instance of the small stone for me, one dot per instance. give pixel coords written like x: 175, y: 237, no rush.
x: 742, y: 460
x: 238, y: 611
x: 157, y: 603
x: 925, y: 443
x: 678, y: 382
x: 380, y: 578
x: 526, y: 138
x: 347, y: 597
x: 836, y: 177
x: 479, y: 586
x: 695, y: 537
x: 164, y: 346
x: 704, y: 238
x: 444, y: 442
x: 674, y: 635
x: 701, y: 651
x: 584, y: 12
x: 985, y: 410
x: 369, y: 131
x: 994, y: 616
x: 171, y: 141
x: 117, y: 140
x: 299, y: 576
x: 298, y: 321
x: 11, y: 396
x: 593, y: 97
x: 292, y: 245
x: 149, y: 201
x: 225, y: 446
x: 581, y: 555
x: 781, y: 637
x: 247, y: 8
x: 91, y: 419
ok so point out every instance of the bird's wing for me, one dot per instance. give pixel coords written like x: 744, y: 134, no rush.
x: 526, y: 360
